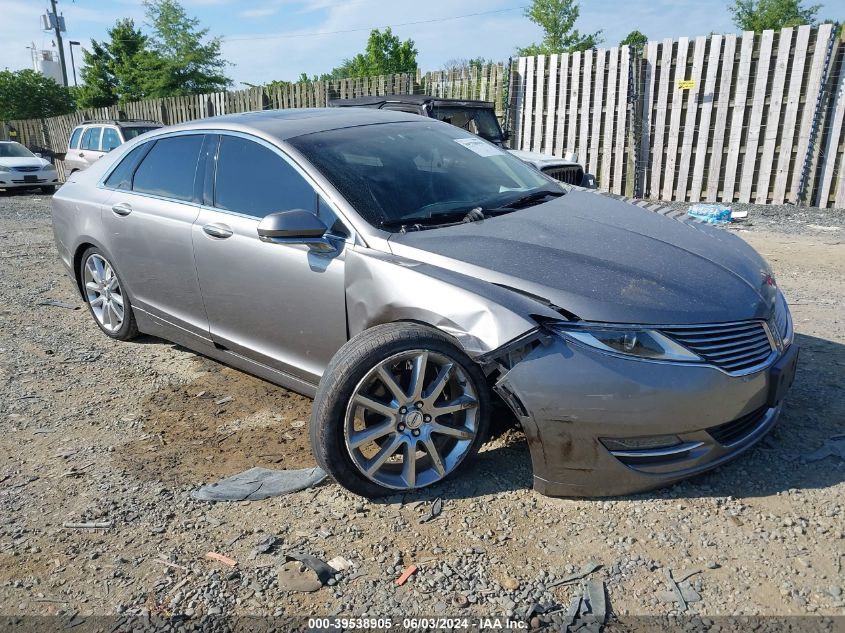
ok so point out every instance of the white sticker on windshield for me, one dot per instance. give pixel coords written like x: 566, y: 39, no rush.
x: 482, y: 148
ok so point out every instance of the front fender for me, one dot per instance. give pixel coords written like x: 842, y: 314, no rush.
x: 383, y: 288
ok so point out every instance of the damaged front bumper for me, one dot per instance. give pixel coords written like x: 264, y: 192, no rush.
x: 603, y: 425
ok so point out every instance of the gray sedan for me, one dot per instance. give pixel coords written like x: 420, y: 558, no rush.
x: 409, y: 276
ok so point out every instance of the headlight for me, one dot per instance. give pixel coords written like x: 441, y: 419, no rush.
x: 4, y: 168
x: 783, y: 320
x: 641, y: 343
x: 49, y: 167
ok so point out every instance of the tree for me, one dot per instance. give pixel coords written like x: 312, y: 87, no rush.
x: 557, y: 19
x: 183, y: 62
x: 172, y: 60
x: 636, y: 39
x: 462, y: 63
x: 116, y: 70
x: 760, y: 15
x: 27, y: 94
x: 385, y: 55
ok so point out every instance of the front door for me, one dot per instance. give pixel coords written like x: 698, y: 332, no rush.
x: 282, y: 305
x: 149, y: 219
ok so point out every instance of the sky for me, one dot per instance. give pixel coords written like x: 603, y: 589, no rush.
x: 279, y: 39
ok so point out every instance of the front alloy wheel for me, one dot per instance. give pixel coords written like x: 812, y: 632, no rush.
x: 411, y: 420
x: 400, y: 407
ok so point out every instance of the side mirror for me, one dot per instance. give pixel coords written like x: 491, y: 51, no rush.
x: 296, y: 226
x: 38, y: 155
x: 506, y: 135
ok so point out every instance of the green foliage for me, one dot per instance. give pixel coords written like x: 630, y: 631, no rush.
x: 115, y: 70
x: 385, y: 54
x: 462, y: 63
x: 183, y: 64
x: 760, y: 15
x: 557, y: 19
x: 26, y: 94
x: 172, y: 60
x: 636, y: 39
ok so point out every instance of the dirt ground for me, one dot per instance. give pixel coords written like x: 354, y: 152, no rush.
x: 120, y: 433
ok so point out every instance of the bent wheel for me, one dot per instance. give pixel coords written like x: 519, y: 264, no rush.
x: 400, y: 407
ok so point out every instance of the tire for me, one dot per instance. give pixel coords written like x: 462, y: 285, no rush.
x: 421, y: 427
x: 48, y: 189
x: 105, y: 311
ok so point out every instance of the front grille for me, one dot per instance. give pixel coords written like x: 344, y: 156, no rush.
x: 25, y: 168
x: 570, y: 175
x: 737, y: 430
x: 733, y: 347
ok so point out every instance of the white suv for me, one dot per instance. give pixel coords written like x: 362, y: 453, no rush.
x: 92, y: 139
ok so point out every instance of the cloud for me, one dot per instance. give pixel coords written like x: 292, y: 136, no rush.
x: 258, y: 58
x: 257, y: 13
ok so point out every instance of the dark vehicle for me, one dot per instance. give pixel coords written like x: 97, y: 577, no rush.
x: 479, y: 118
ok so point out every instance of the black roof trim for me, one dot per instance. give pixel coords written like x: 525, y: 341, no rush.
x: 417, y: 100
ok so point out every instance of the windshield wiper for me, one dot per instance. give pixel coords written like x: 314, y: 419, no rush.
x: 528, y: 198
x: 475, y: 214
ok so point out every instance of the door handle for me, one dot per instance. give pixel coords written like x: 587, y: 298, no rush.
x: 220, y: 231
x: 81, y: 155
x: 122, y: 209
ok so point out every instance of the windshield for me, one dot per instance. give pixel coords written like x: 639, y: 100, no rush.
x: 15, y: 150
x: 478, y: 121
x: 405, y: 172
x: 131, y: 132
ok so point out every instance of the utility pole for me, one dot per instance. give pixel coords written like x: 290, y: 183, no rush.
x: 58, y: 30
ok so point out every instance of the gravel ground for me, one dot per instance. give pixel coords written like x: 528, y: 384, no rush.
x: 100, y: 431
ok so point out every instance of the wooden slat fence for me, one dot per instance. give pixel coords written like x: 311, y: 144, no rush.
x: 756, y: 117
x: 577, y: 103
x: 486, y: 83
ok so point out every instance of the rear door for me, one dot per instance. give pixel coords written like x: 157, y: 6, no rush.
x: 111, y: 139
x: 149, y: 220
x: 282, y: 305
x: 89, y: 149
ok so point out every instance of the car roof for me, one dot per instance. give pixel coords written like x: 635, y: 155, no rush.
x: 410, y: 100
x: 289, y: 123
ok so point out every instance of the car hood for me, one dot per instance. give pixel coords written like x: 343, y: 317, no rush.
x: 606, y: 260
x: 541, y: 160
x: 13, y: 161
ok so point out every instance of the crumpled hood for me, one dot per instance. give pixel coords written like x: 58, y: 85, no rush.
x: 606, y: 260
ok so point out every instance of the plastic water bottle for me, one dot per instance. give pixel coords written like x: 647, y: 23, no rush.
x: 712, y: 213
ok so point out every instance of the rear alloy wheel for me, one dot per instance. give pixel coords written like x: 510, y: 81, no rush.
x: 401, y: 408
x: 106, y: 300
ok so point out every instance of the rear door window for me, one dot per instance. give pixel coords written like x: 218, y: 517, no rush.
x: 254, y: 180
x: 74, y: 138
x: 91, y: 138
x: 121, y: 177
x: 169, y: 169
x: 111, y: 139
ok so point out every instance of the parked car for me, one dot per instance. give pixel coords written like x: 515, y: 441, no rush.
x: 478, y: 117
x: 407, y: 274
x: 91, y: 140
x: 21, y: 169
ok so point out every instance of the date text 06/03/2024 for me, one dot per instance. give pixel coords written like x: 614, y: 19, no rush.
x: 417, y: 623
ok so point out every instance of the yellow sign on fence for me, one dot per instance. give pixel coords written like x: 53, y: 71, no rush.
x: 686, y: 84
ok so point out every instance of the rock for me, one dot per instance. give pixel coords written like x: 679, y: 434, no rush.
x: 294, y: 576
x: 509, y: 583
x: 460, y: 601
